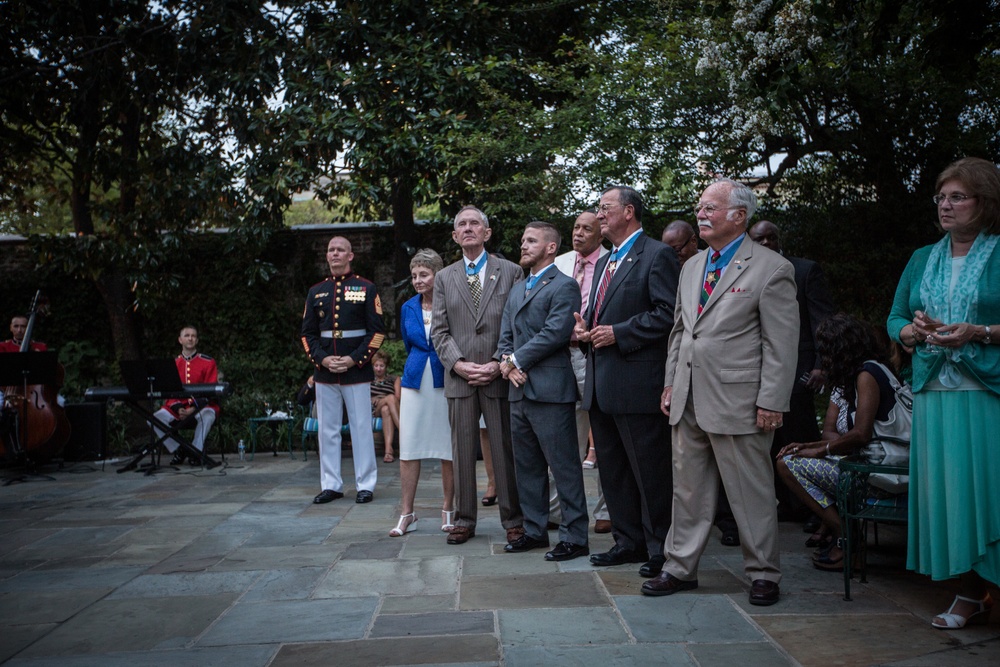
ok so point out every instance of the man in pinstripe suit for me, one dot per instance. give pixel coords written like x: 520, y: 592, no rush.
x: 469, y: 298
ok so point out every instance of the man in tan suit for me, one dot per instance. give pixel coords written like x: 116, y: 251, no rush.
x: 729, y: 375
x: 469, y: 297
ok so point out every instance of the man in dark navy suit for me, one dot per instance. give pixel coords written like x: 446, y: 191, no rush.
x: 625, y: 332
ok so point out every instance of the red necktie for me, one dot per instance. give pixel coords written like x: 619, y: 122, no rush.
x: 602, y: 288
x: 711, y: 278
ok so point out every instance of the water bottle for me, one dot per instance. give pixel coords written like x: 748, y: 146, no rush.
x: 243, y: 450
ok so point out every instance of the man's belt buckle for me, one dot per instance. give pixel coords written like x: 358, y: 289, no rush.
x: 341, y: 333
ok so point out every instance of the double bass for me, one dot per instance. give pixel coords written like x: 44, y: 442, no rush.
x: 38, y: 426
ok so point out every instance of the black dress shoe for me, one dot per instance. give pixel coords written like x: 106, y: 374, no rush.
x: 326, y: 495
x: 178, y: 459
x: 525, y: 543
x: 764, y: 592
x: 667, y: 584
x: 617, y: 555
x: 364, y: 497
x: 652, y: 567
x: 730, y: 537
x: 567, y: 551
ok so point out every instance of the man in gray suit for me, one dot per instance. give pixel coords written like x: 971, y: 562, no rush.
x: 534, y: 353
x: 469, y: 297
x: 727, y: 381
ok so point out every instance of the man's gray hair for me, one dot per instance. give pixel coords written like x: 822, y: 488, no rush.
x: 482, y: 216
x: 741, y: 196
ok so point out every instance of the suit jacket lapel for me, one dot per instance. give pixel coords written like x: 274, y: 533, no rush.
x: 525, y: 298
x: 490, y: 277
x: 626, y: 265
x: 693, y: 284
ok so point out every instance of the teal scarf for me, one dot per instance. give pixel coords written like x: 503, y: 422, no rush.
x: 960, y: 306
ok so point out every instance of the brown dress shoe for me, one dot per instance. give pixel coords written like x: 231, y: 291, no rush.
x: 460, y: 535
x: 602, y: 526
x: 764, y: 592
x: 667, y: 584
x: 513, y: 534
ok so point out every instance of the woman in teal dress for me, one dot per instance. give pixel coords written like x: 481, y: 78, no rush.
x: 947, y: 307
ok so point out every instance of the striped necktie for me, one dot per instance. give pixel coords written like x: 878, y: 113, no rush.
x: 474, y: 285
x: 609, y: 273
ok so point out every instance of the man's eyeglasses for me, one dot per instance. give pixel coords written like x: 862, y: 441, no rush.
x: 954, y: 200
x: 604, y: 208
x: 710, y: 209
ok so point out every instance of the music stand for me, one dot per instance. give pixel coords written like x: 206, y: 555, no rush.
x: 23, y: 370
x: 151, y: 378
x: 146, y: 380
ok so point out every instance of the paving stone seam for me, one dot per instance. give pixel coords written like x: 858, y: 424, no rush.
x: 614, y: 605
x: 769, y: 639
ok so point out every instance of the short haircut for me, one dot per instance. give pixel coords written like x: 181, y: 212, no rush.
x: 350, y: 248
x: 482, y: 216
x: 186, y: 327
x: 741, y: 196
x: 548, y: 230
x: 983, y: 179
x: 681, y: 226
x: 427, y: 258
x: 380, y: 354
x: 628, y: 197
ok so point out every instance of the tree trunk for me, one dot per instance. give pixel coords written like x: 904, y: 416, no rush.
x: 117, y: 295
x: 404, y: 233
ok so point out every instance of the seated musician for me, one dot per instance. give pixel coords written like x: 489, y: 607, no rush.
x: 18, y: 327
x: 200, y: 414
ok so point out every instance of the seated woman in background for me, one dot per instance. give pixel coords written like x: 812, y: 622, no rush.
x: 862, y: 393
x: 385, y: 401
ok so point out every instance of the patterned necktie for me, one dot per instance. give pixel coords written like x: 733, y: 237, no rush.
x: 603, y: 287
x: 580, y: 276
x: 474, y: 285
x: 711, y: 278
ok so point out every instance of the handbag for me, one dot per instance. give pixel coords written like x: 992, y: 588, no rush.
x: 890, y: 444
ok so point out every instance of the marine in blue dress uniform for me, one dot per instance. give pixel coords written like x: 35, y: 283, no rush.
x: 341, y: 329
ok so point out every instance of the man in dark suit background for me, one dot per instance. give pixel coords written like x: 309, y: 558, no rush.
x: 625, y: 329
x: 469, y: 297
x: 534, y: 353
x: 815, y: 305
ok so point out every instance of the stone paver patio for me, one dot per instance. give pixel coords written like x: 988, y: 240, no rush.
x: 236, y: 566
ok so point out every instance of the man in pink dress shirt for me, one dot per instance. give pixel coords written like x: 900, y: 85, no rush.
x: 579, y: 264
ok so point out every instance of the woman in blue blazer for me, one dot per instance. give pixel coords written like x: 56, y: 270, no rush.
x: 424, y: 431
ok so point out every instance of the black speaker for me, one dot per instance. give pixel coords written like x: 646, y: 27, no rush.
x: 88, y: 440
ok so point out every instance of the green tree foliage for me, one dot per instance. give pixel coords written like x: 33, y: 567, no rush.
x: 851, y: 109
x: 844, y: 112
x: 132, y: 115
x: 431, y: 102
